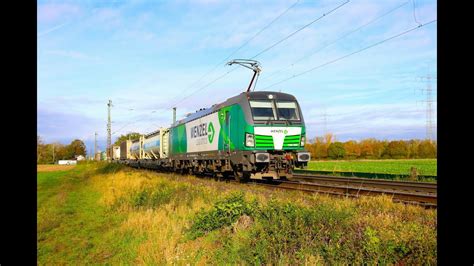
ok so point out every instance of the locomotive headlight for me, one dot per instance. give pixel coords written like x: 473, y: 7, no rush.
x: 249, y: 140
x: 303, y: 141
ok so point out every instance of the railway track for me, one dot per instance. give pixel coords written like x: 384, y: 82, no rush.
x: 418, y: 193
x: 408, y: 186
x: 412, y: 197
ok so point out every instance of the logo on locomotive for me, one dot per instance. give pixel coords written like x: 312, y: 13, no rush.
x: 211, y: 131
x: 202, y: 132
x: 199, y: 130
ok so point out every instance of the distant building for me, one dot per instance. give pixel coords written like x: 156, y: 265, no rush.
x: 80, y: 158
x: 67, y: 162
x: 97, y: 156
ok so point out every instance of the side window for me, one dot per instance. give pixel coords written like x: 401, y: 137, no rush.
x: 227, y: 116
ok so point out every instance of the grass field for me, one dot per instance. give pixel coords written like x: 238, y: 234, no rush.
x: 106, y: 214
x: 401, y: 167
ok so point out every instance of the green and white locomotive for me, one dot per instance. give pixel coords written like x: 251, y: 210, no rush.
x: 259, y: 135
x: 252, y: 135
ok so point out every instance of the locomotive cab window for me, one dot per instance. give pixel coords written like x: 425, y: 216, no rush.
x: 287, y: 111
x: 263, y: 110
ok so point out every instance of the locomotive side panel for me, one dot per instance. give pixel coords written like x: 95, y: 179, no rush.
x: 178, y: 140
x: 203, y: 133
x: 234, y: 126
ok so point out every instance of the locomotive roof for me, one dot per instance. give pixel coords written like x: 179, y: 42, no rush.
x: 243, y: 97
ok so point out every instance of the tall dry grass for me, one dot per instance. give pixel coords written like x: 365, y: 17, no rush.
x: 159, y: 211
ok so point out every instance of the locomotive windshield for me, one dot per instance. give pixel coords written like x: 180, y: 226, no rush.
x: 271, y: 110
x: 287, y: 111
x: 263, y: 110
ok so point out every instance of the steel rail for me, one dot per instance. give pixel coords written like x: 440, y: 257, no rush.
x: 424, y: 187
x: 424, y: 199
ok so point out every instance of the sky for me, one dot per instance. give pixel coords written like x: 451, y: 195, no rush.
x: 148, y: 56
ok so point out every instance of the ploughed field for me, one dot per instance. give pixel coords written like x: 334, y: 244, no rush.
x: 398, y: 166
x: 99, y: 213
x: 53, y: 167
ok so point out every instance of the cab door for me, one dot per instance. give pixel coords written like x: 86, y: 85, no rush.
x: 227, y: 131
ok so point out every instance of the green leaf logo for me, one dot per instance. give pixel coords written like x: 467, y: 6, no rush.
x: 286, y: 131
x: 210, y: 131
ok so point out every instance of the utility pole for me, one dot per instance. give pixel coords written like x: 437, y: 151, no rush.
x: 174, y: 115
x: 429, y: 107
x: 109, y: 128
x: 95, y: 145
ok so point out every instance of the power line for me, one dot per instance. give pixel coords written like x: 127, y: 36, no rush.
x: 347, y: 55
x: 133, y: 122
x: 265, y: 50
x: 126, y: 125
x: 241, y: 46
x: 414, y: 13
x: 300, y: 29
x: 205, y: 86
x: 335, y: 41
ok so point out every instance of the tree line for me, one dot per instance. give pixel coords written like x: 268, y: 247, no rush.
x: 327, y: 147
x: 48, y: 153
x: 130, y: 136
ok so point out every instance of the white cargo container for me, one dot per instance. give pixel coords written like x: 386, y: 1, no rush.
x: 135, y: 149
x: 116, y: 153
x: 151, y: 145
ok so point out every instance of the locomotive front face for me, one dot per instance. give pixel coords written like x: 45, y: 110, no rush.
x: 277, y: 122
x: 277, y: 132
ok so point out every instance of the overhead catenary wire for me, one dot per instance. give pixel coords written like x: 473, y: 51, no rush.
x: 244, y: 44
x: 414, y: 13
x: 300, y: 29
x: 265, y: 50
x: 347, y: 55
x: 335, y: 41
x: 131, y: 123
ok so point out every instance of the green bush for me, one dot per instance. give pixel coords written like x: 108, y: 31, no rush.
x: 107, y: 168
x: 286, y: 233
x: 222, y: 214
x: 397, y: 149
x: 336, y: 150
x: 151, y: 197
x: 427, y: 149
x: 160, y: 194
